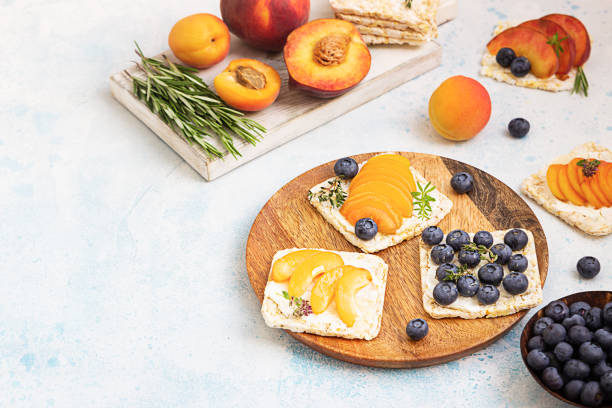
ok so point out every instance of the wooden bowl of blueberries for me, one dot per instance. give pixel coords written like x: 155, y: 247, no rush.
x: 567, y: 347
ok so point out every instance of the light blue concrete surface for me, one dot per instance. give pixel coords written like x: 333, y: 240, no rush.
x: 122, y: 273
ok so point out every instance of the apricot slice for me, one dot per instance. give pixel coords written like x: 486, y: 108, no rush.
x: 284, y: 267
x: 352, y: 280
x: 383, y: 178
x: 306, y: 271
x: 367, y: 205
x: 326, y: 57
x: 590, y: 195
x: 578, y: 32
x: 566, y: 188
x: 529, y: 43
x: 393, y: 168
x: 396, y: 197
x: 323, y: 291
x: 248, y: 84
x: 552, y: 179
x: 594, y: 185
x: 566, y: 47
x: 375, y: 172
x: 603, y: 178
x: 390, y: 157
x: 573, y: 174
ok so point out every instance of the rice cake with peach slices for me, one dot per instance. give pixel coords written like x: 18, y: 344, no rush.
x: 470, y: 307
x: 586, y: 218
x: 408, y: 226
x: 343, y: 295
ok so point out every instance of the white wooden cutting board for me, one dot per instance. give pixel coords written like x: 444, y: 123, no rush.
x: 293, y: 113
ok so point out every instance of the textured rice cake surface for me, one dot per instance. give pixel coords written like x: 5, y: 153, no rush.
x: 378, y: 40
x: 588, y: 219
x: 470, y: 307
x: 391, y: 33
x: 410, y: 227
x: 375, y: 22
x: 278, y: 313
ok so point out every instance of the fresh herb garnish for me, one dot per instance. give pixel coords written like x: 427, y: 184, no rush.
x: 334, y: 193
x: 589, y: 167
x: 581, y: 84
x: 555, y: 42
x: 485, y: 253
x: 409, y: 3
x: 301, y: 307
x: 185, y: 103
x: 454, y: 276
x: 422, y: 200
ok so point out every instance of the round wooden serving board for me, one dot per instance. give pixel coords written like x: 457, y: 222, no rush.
x: 288, y: 220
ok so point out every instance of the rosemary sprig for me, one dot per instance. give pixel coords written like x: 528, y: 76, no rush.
x: 454, y: 276
x: 581, y: 84
x: 555, y: 42
x: 185, y: 103
x: 589, y: 167
x: 485, y: 253
x: 301, y: 307
x: 334, y: 193
x: 422, y: 200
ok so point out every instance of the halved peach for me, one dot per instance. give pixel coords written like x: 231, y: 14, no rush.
x: 590, y: 194
x: 324, y: 289
x: 398, y: 182
x: 529, y: 43
x: 566, y: 45
x: 284, y: 267
x: 370, y: 206
x: 248, y: 84
x: 573, y: 174
x: 353, y: 279
x: 401, y: 203
x: 305, y: 272
x: 552, y: 180
x: 326, y: 57
x: 578, y: 32
x: 566, y: 188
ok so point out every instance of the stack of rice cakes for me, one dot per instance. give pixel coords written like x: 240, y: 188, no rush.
x: 411, y: 22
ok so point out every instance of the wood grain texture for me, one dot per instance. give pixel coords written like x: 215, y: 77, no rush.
x: 288, y: 220
x: 294, y: 113
x: 594, y: 298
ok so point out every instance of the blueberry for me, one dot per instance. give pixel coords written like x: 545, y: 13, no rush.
x: 346, y: 168
x: 593, y: 318
x: 483, y: 238
x: 552, y: 378
x: 462, y: 182
x: 579, y: 308
x: 600, y: 369
x: 573, y: 389
x: 515, y: 283
x: 518, y: 128
x: 574, y: 320
x: 491, y: 274
x: 604, y: 338
x: 417, y: 329
x: 487, y: 294
x: 442, y: 254
x: 588, y: 267
x: 554, y: 334
x: 444, y: 270
x: 468, y: 257
x: 503, y: 253
x: 578, y: 335
x: 590, y: 353
x: 557, y: 310
x: 576, y: 369
x: 606, y: 382
x: 563, y: 351
x: 537, y: 360
x: 520, y: 67
x: 432, y: 235
x: 535, y: 343
x: 505, y: 56
x: 468, y: 285
x: 541, y: 324
x: 607, y: 313
x: 592, y: 394
x: 518, y: 263
x: 553, y: 360
x: 445, y: 293
x: 516, y: 239
x: 366, y: 229
x: 457, y: 239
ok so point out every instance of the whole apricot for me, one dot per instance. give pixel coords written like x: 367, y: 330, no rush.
x: 459, y: 108
x: 200, y: 40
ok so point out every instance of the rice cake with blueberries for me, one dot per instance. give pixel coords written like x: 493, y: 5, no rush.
x: 470, y: 307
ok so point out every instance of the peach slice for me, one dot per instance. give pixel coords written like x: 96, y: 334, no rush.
x: 573, y: 174
x: 324, y: 289
x: 306, y: 271
x: 604, y: 180
x: 529, y: 43
x: 284, y: 267
x: 368, y: 205
x: 398, y: 182
x: 352, y: 280
x: 566, y: 188
x: 396, y: 197
x: 578, y: 32
x: 567, y: 50
x: 393, y: 168
x: 590, y: 195
x: 390, y: 156
x: 594, y: 185
x: 552, y: 179
x: 375, y: 172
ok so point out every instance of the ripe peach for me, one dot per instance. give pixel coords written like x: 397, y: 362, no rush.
x: 200, y: 40
x: 459, y: 108
x: 264, y: 24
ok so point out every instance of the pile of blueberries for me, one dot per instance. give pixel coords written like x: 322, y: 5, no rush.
x: 520, y: 66
x: 571, y: 350
x: 490, y: 275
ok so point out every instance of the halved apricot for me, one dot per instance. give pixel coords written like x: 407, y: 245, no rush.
x: 590, y: 195
x: 353, y: 279
x: 284, y: 267
x: 305, y: 272
x: 324, y: 289
x: 396, y: 197
x: 573, y: 174
x: 370, y: 206
x: 566, y: 188
x: 248, y: 84
x: 552, y: 179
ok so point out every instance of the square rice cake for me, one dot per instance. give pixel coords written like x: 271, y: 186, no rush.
x: 278, y: 312
x: 470, y: 307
